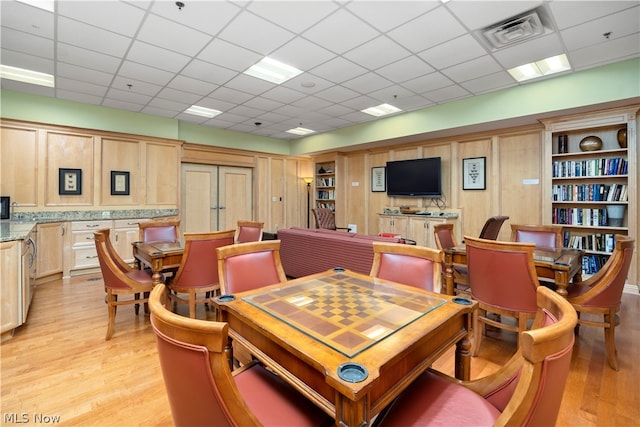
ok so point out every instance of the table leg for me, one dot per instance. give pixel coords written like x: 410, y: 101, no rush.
x: 561, y: 281
x: 156, y: 270
x: 350, y: 413
x: 463, y: 354
x: 448, y: 274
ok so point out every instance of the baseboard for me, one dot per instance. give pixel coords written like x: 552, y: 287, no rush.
x: 631, y: 289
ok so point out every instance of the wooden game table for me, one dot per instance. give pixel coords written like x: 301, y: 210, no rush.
x: 349, y: 342
x: 159, y: 256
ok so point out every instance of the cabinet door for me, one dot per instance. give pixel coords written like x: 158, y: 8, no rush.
x: 395, y: 224
x: 124, y: 233
x: 419, y: 229
x: 10, y: 285
x: 50, y: 243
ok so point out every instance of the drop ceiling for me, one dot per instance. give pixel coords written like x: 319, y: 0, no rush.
x: 154, y: 58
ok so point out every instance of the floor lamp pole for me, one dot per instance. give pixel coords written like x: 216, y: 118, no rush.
x: 308, y: 202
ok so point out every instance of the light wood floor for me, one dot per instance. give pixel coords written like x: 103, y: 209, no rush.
x: 59, y: 365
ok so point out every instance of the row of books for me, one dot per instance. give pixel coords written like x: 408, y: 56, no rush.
x: 580, y: 216
x: 592, y: 263
x: 590, y: 193
x: 326, y: 182
x: 590, y: 167
x: 326, y: 194
x: 599, y: 242
x: 325, y: 205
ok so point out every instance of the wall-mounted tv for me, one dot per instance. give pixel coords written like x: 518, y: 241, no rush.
x: 414, y: 178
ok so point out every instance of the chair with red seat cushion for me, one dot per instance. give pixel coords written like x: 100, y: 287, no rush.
x: 445, y: 238
x: 198, y: 271
x: 491, y: 227
x: 526, y: 391
x: 246, y: 266
x: 249, y: 231
x: 544, y: 236
x: 503, y: 280
x: 119, y: 279
x: 412, y: 265
x: 203, y: 391
x: 601, y: 294
x: 159, y: 230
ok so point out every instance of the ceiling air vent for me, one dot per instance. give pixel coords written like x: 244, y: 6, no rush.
x: 514, y: 30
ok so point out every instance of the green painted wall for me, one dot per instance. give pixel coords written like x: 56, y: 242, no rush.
x: 594, y: 86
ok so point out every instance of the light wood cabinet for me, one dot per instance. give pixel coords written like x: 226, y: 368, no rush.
x: 10, y: 285
x: 394, y: 224
x: 590, y: 171
x: 50, y: 240
x: 414, y: 227
x: 83, y: 247
x: 124, y: 233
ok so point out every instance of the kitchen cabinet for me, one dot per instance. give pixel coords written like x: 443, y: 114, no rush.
x: 10, y: 285
x: 394, y: 224
x: 50, y: 244
x: 83, y: 247
x: 124, y: 233
x: 413, y: 227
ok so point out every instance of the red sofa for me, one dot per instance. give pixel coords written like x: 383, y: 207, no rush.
x: 305, y: 251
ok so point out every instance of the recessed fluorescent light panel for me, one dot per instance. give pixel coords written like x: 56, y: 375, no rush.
x: 381, y: 110
x: 202, y: 111
x: 300, y: 131
x: 26, y: 76
x: 544, y: 67
x: 272, y: 71
x: 47, y: 5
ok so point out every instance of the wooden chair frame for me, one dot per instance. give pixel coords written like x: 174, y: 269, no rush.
x: 556, y: 230
x: 159, y: 222
x: 460, y: 274
x: 243, y: 224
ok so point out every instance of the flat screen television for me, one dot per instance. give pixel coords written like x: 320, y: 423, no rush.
x: 414, y: 178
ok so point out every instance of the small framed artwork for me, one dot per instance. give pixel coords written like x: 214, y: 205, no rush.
x: 378, y: 179
x: 474, y: 173
x: 69, y: 181
x: 5, y: 207
x: 119, y: 183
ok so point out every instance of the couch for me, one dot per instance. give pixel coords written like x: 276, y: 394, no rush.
x: 305, y: 251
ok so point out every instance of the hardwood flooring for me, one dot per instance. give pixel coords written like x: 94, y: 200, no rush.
x: 58, y: 365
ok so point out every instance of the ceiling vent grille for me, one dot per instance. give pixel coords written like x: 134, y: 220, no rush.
x: 515, y: 30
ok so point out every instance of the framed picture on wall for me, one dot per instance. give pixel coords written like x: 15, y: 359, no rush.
x: 378, y: 179
x: 69, y: 181
x: 119, y: 183
x: 474, y: 173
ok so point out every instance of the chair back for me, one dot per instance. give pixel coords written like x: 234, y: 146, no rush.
x: 197, y: 376
x: 246, y: 266
x: 491, y: 227
x: 606, y: 286
x: 545, y: 358
x: 249, y: 231
x: 411, y: 265
x: 112, y: 266
x: 199, y: 265
x: 444, y: 236
x: 160, y: 230
x: 544, y: 236
x: 502, y: 274
x: 325, y: 218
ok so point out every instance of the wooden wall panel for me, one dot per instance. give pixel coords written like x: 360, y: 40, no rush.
x: 119, y: 155
x: 69, y: 151
x: 356, y: 191
x: 276, y: 190
x: 19, y: 172
x: 162, y: 174
x: 378, y: 200
x: 476, y: 204
x: 261, y: 185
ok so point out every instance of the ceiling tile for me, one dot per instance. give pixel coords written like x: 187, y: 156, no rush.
x: 338, y: 70
x: 353, y: 32
x: 207, y: 16
x: 405, y: 69
x: 386, y: 15
x: 263, y: 37
x: 619, y: 25
x: 173, y: 36
x: 296, y: 16
x: 91, y: 38
x: 428, y: 30
x: 28, y: 19
x: 156, y: 57
x: 569, y: 13
x: 377, y: 53
x: 453, y: 52
x: 301, y: 54
x: 470, y: 69
x: 117, y: 17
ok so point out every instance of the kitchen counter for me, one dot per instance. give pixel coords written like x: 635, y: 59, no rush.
x: 19, y: 229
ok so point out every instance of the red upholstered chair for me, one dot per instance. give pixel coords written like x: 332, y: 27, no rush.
x: 119, y: 279
x: 249, y: 231
x: 544, y: 236
x: 601, y: 294
x: 198, y: 271
x: 326, y: 218
x: 491, y: 227
x: 160, y: 230
x: 445, y: 238
x: 526, y: 391
x: 412, y: 265
x: 203, y: 391
x: 246, y: 266
x: 503, y: 280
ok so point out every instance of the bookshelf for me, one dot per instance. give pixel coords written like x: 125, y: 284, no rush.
x: 590, y: 176
x: 325, y: 190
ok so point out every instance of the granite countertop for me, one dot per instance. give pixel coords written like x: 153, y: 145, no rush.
x: 20, y: 228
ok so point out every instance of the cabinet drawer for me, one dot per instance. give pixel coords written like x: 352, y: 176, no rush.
x: 85, y: 257
x: 126, y: 223
x: 83, y: 238
x: 90, y: 225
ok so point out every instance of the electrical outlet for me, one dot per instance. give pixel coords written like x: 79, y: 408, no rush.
x: 353, y: 228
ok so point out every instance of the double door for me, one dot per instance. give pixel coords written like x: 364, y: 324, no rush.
x: 215, y: 197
